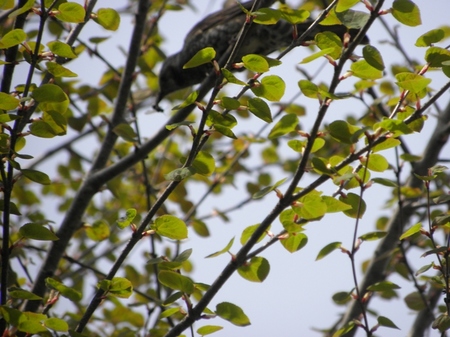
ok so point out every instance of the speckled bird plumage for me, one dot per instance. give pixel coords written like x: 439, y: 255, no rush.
x: 220, y: 30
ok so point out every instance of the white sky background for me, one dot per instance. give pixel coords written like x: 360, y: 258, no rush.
x: 296, y: 296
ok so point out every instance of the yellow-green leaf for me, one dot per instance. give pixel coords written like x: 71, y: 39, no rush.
x: 255, y: 270
x: 171, y: 227
x: 286, y: 124
x: 406, y: 12
x: 37, y: 232
x: 232, y: 313
x: 203, y: 56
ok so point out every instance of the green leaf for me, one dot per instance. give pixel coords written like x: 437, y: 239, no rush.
x: 329, y: 40
x: 354, y: 201
x: 352, y: 19
x: 176, y: 125
x: 308, y: 89
x: 99, y: 231
x: 414, y: 301
x: 294, y: 242
x: 430, y: 37
x: 200, y: 228
x: 412, y: 82
x: 267, y: 16
x: 442, y: 323
x: 36, y: 176
x: 61, y: 49
x: 286, y: 124
x: 118, y: 287
x: 169, y: 312
x: 222, y: 251
x: 126, y: 132
x: 437, y: 56
x: 71, y: 12
x: 248, y: 232
x: 229, y: 103
x: 203, y: 56
x: 364, y: 70
x: 12, y: 207
x: 310, y: 206
x: 385, y: 182
x: 342, y: 297
x: 329, y: 248
x: 411, y: 231
x: 343, y: 131
x: 268, y: 189
x: 216, y: 118
x: 294, y: 16
x: 386, y: 322
x: 188, y: 101
x: 373, y: 57
x: 232, y: 313
x: 70, y: 293
x: 13, y: 38
x: 56, y: 324
x: 272, y: 88
x: 406, y: 12
x: 49, y: 93
x: 230, y: 78
x: 58, y: 70
x: 255, y: 63
x: 204, y: 164
x: 255, y: 270
x: 314, y: 56
x: 25, y: 8
x: 108, y: 18
x: 208, y: 329
x: 37, y: 232
x: 176, y: 281
x: 180, y: 174
x: 334, y: 205
x: 346, y: 328
x: 171, y: 227
x: 225, y: 131
x: 15, y: 292
x: 126, y: 220
x: 344, y: 5
x: 8, y: 102
x: 260, y: 109
x: 387, y: 144
x: 376, y: 162
x: 383, y: 286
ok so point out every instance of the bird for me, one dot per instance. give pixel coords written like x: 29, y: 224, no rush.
x: 220, y: 30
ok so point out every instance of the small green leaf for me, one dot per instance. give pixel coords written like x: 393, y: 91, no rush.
x: 176, y: 281
x: 180, y: 174
x: 414, y: 301
x: 120, y: 287
x: 430, y: 37
x: 229, y: 103
x: 71, y: 12
x: 49, y: 93
x: 260, y: 109
x: 126, y: 220
x: 329, y: 248
x: 56, y: 324
x: 286, y: 124
x: 25, y: 8
x: 232, y: 313
x: 225, y: 131
x: 412, y: 82
x: 58, y: 70
x: 344, y: 5
x: 222, y: 251
x: 208, y: 329
x: 255, y: 63
x: 312, y: 57
x: 248, y: 232
x: 169, y: 312
x: 36, y: 176
x: 203, y: 56
x: 230, y: 78
x: 188, y: 101
x: 294, y: 16
x: 386, y: 322
x: 383, y: 286
x: 362, y: 69
x: 70, y: 293
x: 268, y: 189
x: 255, y: 270
x: 406, y: 12
x: 294, y: 242
x: 272, y: 88
x: 308, y: 89
x: 99, y: 231
x: 346, y: 328
x: 108, y: 18
x: 334, y: 205
x: 126, y: 132
x: 204, y: 163
x: 310, y: 207
x: 37, y: 232
x: 61, y: 49
x: 200, y: 228
x: 342, y: 297
x: 411, y: 231
x: 343, y: 131
x: 8, y: 102
x: 171, y: 227
x: 13, y: 38
x: 436, y: 57
x: 22, y: 294
x: 376, y: 162
x: 12, y: 207
x: 373, y: 57
x: 358, y: 205
x: 176, y: 125
x: 327, y: 41
x: 267, y: 16
x: 442, y: 323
